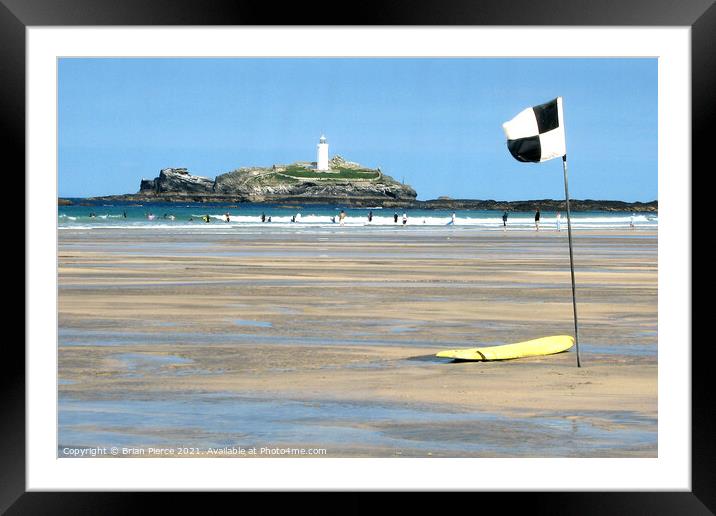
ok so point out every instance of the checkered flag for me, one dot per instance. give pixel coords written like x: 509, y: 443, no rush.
x: 537, y: 133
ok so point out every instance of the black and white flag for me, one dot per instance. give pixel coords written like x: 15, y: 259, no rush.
x: 537, y: 133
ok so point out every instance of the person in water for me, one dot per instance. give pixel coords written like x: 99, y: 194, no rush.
x: 227, y: 217
x: 559, y: 221
x: 124, y: 214
x: 405, y: 218
x: 206, y: 218
x: 263, y: 217
x: 395, y: 217
x: 269, y: 219
x: 537, y: 215
x: 342, y: 217
x: 504, y: 220
x: 333, y: 219
x: 452, y: 219
x: 370, y: 216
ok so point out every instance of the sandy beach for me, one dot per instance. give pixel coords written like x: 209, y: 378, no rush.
x: 325, y: 338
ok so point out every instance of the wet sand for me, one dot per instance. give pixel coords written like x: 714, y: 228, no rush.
x: 326, y: 338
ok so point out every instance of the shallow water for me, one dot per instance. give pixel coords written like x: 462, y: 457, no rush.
x: 141, y: 364
x: 76, y: 337
x: 257, y: 324
x: 217, y: 420
x: 248, y: 217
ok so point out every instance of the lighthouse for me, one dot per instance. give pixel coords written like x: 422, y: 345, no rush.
x: 322, y: 161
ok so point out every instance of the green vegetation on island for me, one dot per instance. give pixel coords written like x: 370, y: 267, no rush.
x: 338, y: 173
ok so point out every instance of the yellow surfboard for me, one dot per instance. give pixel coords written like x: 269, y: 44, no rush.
x: 529, y: 348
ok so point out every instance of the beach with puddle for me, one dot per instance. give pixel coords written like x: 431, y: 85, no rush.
x: 328, y: 339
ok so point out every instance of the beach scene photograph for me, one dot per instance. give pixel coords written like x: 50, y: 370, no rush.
x: 357, y: 258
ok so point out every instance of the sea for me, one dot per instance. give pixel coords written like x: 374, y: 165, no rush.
x: 163, y: 216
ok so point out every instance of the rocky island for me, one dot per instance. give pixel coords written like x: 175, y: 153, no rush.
x: 344, y: 182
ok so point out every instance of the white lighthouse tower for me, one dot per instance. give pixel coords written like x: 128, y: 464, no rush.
x: 322, y: 161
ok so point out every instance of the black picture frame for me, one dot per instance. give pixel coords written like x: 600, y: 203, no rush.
x: 17, y: 15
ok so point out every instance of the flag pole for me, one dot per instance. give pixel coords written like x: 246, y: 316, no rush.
x: 571, y: 258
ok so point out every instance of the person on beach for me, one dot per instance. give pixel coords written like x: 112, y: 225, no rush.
x: 504, y: 219
x: 559, y: 221
x: 395, y: 217
x: 631, y: 222
x: 405, y: 218
x: 537, y: 215
x: 342, y: 217
x: 370, y: 216
x: 263, y: 217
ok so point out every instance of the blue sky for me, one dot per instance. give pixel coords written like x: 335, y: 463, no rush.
x: 436, y: 123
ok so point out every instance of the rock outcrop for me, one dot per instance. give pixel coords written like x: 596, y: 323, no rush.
x: 176, y: 180
x: 346, y: 183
